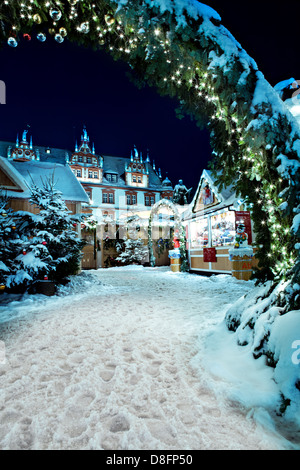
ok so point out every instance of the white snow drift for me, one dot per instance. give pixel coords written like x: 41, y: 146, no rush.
x: 135, y: 358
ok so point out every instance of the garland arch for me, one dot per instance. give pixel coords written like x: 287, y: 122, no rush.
x: 183, y: 50
x: 177, y: 225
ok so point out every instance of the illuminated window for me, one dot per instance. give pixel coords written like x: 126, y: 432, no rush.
x: 223, y: 229
x: 199, y: 233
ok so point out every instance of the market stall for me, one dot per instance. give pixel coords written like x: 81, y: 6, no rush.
x: 211, y: 221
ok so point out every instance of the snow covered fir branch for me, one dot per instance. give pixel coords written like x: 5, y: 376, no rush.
x: 181, y: 48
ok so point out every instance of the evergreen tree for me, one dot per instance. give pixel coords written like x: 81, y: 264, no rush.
x: 55, y: 236
x: 134, y: 252
x: 50, y: 245
x: 10, y: 243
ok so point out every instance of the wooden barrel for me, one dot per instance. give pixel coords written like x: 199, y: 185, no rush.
x: 242, y: 267
x: 175, y: 265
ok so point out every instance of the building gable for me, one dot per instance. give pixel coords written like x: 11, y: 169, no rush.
x: 10, y: 179
x: 206, y: 195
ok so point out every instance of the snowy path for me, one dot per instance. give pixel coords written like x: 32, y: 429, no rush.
x: 110, y: 367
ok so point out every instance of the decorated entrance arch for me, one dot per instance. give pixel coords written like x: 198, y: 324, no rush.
x: 181, y: 48
x: 165, y: 203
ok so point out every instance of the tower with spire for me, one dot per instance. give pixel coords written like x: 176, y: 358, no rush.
x: 23, y: 151
x: 136, y: 171
x: 84, y: 162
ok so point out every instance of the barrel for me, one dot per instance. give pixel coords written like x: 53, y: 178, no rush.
x: 242, y: 267
x: 175, y: 265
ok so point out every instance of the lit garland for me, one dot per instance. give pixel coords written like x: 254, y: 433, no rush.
x: 176, y: 61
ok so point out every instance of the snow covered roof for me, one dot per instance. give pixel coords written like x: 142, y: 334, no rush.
x: 24, y: 173
x: 46, y: 154
x: 117, y: 166
x: 111, y: 164
x: 226, y: 197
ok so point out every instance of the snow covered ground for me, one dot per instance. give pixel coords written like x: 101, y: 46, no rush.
x: 133, y: 358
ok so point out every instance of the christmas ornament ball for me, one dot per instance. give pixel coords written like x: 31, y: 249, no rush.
x: 41, y: 37
x: 84, y: 27
x: 58, y: 38
x: 109, y: 20
x: 55, y: 14
x: 37, y: 19
x: 12, y: 42
x: 63, y: 32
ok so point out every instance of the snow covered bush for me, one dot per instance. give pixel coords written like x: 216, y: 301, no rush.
x: 257, y: 320
x: 132, y: 252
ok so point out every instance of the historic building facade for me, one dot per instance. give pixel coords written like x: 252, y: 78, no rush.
x: 117, y: 186
x: 110, y: 189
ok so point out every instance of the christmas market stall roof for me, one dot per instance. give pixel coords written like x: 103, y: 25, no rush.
x: 226, y: 197
x: 25, y: 174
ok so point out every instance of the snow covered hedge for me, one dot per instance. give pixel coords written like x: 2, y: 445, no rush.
x: 257, y: 321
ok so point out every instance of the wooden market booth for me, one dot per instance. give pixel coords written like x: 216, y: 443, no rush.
x: 211, y: 221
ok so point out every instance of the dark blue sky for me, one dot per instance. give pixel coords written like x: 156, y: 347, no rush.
x: 56, y: 88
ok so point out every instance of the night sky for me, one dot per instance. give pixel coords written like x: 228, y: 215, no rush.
x: 58, y: 88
